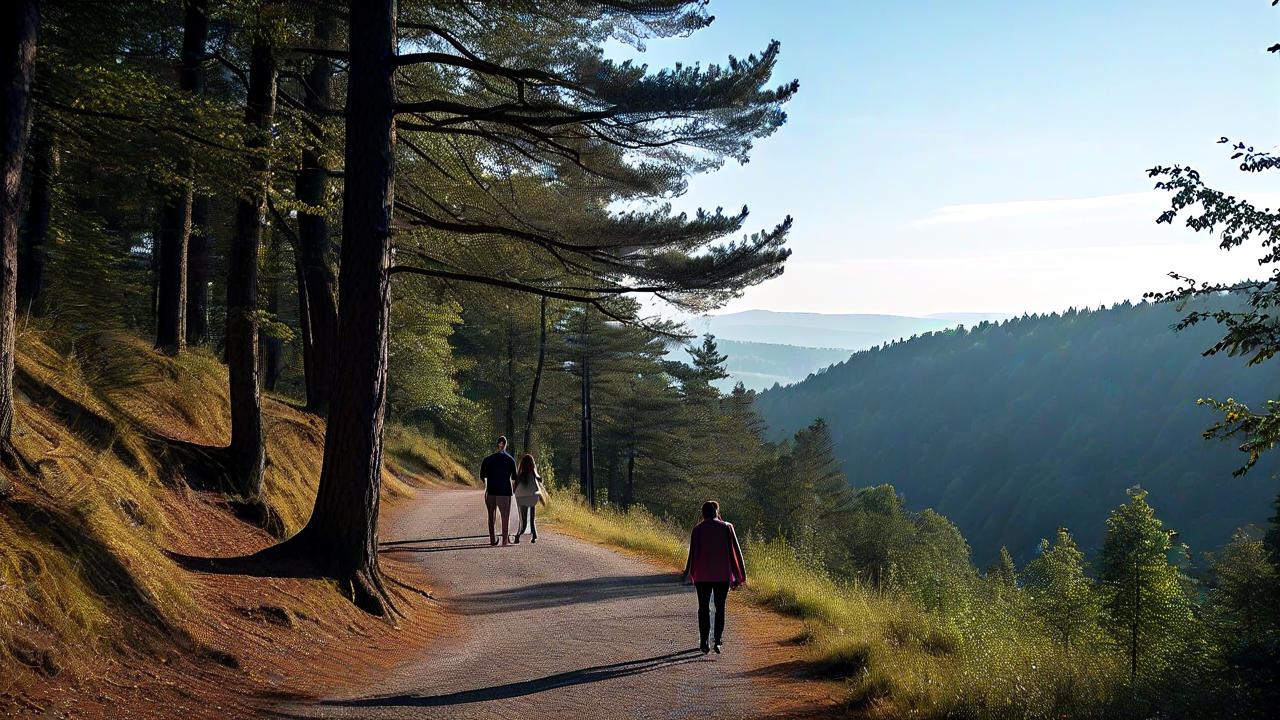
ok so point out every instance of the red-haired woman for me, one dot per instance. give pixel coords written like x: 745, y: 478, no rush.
x: 528, y: 492
x: 715, y: 564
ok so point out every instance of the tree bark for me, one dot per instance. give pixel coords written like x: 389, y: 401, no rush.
x: 588, y: 469
x: 304, y: 325
x: 171, y: 276
x: 584, y: 481
x: 248, y: 457
x: 19, y: 30
x: 537, y: 374
x: 509, y: 408
x: 612, y: 492
x: 32, y: 254
x: 628, y: 492
x: 316, y: 277
x: 199, y: 273
x: 175, y: 222
x: 272, y: 346
x: 342, y: 533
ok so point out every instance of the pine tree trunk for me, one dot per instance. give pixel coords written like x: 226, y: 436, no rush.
x: 537, y: 374
x: 199, y: 273
x: 171, y: 270
x: 612, y: 492
x: 589, y: 459
x: 584, y: 481
x: 272, y: 346
x: 342, y: 533
x: 32, y: 254
x: 19, y: 29
x: 175, y: 216
x: 304, y: 325
x: 154, y: 267
x: 628, y: 493
x: 247, y: 454
x: 509, y: 410
x: 312, y: 185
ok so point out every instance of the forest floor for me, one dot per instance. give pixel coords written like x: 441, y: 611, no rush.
x: 564, y: 629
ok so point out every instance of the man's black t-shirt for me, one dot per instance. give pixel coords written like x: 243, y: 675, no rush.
x: 496, y: 471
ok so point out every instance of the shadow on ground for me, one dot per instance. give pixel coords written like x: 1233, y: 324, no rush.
x: 425, y: 541
x: 436, y: 548
x: 529, y: 687
x: 569, y: 592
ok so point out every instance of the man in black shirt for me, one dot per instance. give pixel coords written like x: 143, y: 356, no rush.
x: 497, y: 472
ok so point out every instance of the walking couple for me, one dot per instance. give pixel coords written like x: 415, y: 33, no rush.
x: 503, y: 480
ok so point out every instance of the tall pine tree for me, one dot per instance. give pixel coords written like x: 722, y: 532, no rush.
x: 1147, y: 611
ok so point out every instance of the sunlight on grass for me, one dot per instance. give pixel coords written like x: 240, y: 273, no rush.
x: 896, y: 659
x: 84, y: 539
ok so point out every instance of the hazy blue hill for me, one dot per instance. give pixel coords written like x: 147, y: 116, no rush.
x: 822, y: 330
x: 1012, y: 429
x: 761, y: 365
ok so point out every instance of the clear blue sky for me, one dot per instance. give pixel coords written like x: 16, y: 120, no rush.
x: 990, y: 156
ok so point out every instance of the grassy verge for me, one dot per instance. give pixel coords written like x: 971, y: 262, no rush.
x: 896, y: 659
x: 410, y: 454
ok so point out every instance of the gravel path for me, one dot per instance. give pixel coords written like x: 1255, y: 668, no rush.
x: 567, y: 629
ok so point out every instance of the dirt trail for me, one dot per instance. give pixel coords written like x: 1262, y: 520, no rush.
x: 566, y: 629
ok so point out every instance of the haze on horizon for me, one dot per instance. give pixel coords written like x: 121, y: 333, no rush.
x: 943, y: 158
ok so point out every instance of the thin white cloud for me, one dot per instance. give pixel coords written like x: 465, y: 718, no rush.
x: 1036, y: 280
x: 1101, y: 206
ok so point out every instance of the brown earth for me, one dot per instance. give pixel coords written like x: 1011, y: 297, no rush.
x: 256, y: 641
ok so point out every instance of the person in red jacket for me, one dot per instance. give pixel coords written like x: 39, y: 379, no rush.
x: 715, y: 564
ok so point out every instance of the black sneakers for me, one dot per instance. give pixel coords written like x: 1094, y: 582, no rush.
x: 719, y: 647
x: 705, y: 647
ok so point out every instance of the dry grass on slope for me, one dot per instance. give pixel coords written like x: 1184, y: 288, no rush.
x: 88, y: 594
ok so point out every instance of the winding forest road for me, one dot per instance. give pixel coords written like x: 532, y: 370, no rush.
x: 567, y: 629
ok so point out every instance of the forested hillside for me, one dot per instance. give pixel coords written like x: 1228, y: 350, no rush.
x: 1014, y: 429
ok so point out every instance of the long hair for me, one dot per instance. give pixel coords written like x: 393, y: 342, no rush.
x: 527, y: 467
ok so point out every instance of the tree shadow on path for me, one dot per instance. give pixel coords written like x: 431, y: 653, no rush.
x: 529, y: 687
x: 423, y: 541
x: 436, y: 548
x: 568, y: 592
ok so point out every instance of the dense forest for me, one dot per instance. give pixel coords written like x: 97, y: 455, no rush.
x: 438, y: 213
x: 1014, y: 429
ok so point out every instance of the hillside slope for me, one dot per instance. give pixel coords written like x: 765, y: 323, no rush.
x: 1014, y: 429
x: 96, y: 619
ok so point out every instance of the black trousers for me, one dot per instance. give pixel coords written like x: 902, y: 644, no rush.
x: 527, y: 515
x: 707, y: 591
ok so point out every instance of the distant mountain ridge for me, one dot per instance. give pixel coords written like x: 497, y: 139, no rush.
x: 1013, y: 429
x: 822, y: 330
x: 762, y: 365
x: 767, y: 348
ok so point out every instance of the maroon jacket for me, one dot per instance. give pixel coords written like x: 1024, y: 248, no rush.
x: 714, y: 554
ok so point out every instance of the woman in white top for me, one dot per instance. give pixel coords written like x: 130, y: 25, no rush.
x: 528, y: 491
